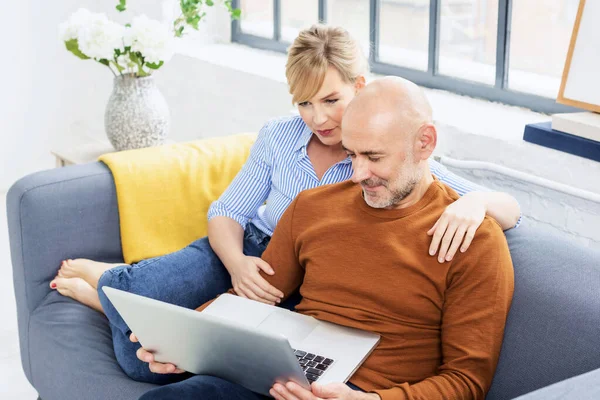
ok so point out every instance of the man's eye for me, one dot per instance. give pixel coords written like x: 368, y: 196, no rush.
x: 374, y: 159
x: 351, y: 155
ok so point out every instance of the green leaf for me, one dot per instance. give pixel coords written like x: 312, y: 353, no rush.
x: 210, y: 3
x: 104, y: 61
x: 179, y: 31
x: 73, y: 46
x: 122, y: 6
x: 155, y: 66
x: 236, y: 14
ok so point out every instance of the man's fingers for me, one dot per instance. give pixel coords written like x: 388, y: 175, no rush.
x: 468, y: 238
x: 160, y: 368
x: 458, y: 238
x: 442, y: 224
x: 144, y: 355
x: 299, y: 391
x: 284, y: 393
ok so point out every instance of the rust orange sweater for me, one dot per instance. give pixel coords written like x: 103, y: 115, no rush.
x: 441, y: 325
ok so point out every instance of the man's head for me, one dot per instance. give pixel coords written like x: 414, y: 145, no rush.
x: 388, y: 132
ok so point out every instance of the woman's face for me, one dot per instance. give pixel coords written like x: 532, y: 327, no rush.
x: 323, y: 113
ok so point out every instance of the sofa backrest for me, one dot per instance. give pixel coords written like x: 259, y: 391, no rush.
x: 553, y: 328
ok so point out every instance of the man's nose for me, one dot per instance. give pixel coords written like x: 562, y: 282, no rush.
x: 361, y: 171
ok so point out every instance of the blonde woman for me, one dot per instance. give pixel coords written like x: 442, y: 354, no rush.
x: 325, y: 70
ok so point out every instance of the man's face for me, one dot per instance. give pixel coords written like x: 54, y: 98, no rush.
x: 383, y: 163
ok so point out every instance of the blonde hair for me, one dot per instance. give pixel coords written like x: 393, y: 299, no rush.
x: 311, y: 54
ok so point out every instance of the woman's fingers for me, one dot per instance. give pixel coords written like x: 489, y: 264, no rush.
x: 264, y: 266
x: 468, y: 238
x: 265, y: 297
x: 133, y: 338
x: 456, y: 242
x: 446, y: 241
x: 440, y: 229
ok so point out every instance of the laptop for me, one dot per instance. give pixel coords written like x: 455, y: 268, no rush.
x: 244, y: 341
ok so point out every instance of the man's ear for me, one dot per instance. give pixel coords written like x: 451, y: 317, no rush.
x: 359, y: 83
x: 426, y: 141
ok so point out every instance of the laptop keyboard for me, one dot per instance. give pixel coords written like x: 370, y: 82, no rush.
x: 313, y: 365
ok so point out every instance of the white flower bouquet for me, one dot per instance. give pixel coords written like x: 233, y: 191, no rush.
x: 137, y: 48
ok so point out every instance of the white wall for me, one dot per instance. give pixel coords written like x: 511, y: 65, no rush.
x: 49, y: 94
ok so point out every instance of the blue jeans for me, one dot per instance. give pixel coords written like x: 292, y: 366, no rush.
x: 188, y: 278
x: 204, y: 387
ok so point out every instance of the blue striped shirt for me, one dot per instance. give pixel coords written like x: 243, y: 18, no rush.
x: 278, y: 168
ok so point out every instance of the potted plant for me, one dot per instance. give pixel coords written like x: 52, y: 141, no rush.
x: 137, y: 114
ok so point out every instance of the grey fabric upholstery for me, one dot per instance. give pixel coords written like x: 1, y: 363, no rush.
x: 551, y: 333
x: 553, y: 328
x: 66, y: 349
x: 581, y: 387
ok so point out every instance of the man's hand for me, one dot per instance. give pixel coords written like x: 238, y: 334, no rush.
x: 247, y: 282
x: 338, y: 391
x: 156, y: 367
x: 459, y: 221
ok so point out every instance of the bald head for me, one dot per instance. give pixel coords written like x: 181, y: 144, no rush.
x: 390, y: 100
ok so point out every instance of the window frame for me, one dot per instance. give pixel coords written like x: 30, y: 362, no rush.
x: 499, y: 92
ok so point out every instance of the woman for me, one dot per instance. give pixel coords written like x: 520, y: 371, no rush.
x: 325, y: 70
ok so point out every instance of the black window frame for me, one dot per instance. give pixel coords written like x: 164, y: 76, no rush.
x: 499, y: 92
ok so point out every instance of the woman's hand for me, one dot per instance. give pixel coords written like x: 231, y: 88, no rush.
x: 457, y: 225
x: 247, y: 282
x: 156, y: 367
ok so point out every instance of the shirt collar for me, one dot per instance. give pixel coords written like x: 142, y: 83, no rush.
x: 303, y: 139
x: 302, y: 143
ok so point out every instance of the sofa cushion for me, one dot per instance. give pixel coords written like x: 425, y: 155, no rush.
x: 75, y: 343
x: 582, y: 387
x: 553, y: 328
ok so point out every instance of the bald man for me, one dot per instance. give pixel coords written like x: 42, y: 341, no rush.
x: 356, y: 251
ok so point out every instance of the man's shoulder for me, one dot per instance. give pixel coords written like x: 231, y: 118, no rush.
x: 325, y: 198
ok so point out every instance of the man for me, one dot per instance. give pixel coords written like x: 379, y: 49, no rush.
x: 355, y: 250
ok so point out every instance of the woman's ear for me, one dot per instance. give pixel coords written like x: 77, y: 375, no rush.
x: 359, y: 83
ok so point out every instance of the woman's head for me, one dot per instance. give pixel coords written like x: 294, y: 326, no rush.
x: 325, y: 69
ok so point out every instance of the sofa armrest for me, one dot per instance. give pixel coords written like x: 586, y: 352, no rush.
x: 53, y: 215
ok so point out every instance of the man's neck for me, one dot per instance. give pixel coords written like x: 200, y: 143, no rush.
x: 418, y: 191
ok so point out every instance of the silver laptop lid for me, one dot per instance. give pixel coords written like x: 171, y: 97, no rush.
x: 207, y: 344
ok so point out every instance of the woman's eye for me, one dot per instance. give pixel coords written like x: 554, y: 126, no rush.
x: 303, y: 104
x: 331, y: 101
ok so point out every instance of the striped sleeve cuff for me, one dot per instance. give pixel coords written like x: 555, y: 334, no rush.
x: 218, y: 209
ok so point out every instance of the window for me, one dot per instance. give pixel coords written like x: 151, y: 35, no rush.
x: 512, y: 51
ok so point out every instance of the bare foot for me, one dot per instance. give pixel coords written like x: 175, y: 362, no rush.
x: 88, y: 270
x: 78, y: 289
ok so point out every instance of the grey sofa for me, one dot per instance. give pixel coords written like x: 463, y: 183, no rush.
x: 552, y: 333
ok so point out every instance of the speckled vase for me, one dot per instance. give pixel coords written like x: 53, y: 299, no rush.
x: 137, y: 114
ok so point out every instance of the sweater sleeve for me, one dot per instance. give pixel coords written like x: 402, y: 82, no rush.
x: 282, y: 255
x: 477, y: 300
